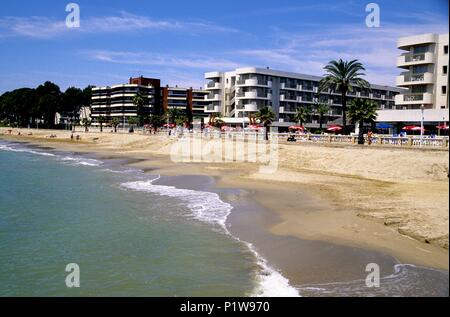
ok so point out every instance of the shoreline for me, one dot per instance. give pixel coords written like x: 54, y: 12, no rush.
x: 320, y: 219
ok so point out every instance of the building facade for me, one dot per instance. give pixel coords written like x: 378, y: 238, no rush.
x: 424, y: 76
x: 188, y: 100
x: 117, y: 101
x: 237, y: 94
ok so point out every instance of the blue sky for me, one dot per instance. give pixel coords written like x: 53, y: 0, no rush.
x: 178, y: 41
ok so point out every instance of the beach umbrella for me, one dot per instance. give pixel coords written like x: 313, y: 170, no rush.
x: 169, y: 125
x: 227, y: 128
x: 297, y: 127
x: 334, y: 128
x: 442, y: 127
x: 254, y: 127
x: 412, y: 128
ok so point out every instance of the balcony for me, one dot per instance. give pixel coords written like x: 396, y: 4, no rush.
x: 212, y: 97
x: 212, y: 85
x: 250, y: 107
x: 414, y: 99
x: 406, y: 60
x: 213, y: 109
x: 407, y: 79
x: 253, y: 82
x: 404, y: 43
x: 290, y: 86
x: 253, y: 95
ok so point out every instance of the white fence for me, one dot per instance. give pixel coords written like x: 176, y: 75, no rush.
x: 378, y: 140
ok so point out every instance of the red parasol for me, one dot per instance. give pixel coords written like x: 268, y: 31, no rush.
x: 297, y: 127
x: 412, y: 128
x: 334, y: 128
x: 227, y: 128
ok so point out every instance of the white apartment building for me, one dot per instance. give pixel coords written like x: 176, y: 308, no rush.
x: 424, y: 63
x: 236, y: 94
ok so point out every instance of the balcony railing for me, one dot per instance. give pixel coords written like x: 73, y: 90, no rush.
x: 413, y: 97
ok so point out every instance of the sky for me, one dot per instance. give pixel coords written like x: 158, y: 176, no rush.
x: 178, y: 41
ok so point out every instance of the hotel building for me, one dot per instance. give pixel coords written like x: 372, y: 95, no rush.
x: 117, y: 101
x: 191, y: 101
x: 236, y: 94
x: 424, y: 76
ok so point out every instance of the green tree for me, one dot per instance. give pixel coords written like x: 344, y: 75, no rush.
x: 362, y: 111
x: 87, y: 95
x: 321, y: 109
x: 266, y: 117
x: 156, y: 121
x: 86, y: 123
x: 301, y: 115
x: 115, y: 123
x: 49, y: 102
x: 172, y: 114
x: 101, y: 119
x: 132, y: 121
x: 181, y: 119
x: 342, y: 76
x: 139, y: 102
x: 72, y: 101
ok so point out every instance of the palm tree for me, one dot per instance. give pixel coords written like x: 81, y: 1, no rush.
x: 132, y: 121
x: 321, y: 109
x: 101, y: 120
x: 218, y: 122
x: 181, y: 119
x: 138, y: 101
x: 156, y: 121
x: 172, y: 114
x: 362, y: 111
x: 301, y: 115
x: 266, y: 117
x: 342, y: 76
x: 86, y: 123
x: 115, y: 123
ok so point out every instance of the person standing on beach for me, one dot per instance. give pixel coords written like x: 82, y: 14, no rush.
x: 369, y: 137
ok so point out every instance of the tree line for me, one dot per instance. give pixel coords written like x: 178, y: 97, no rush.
x: 37, y: 107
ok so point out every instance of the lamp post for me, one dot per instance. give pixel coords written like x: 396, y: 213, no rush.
x: 421, y: 121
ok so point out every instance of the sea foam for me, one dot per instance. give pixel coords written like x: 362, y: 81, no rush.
x: 209, y: 208
x: 5, y: 147
x: 81, y: 161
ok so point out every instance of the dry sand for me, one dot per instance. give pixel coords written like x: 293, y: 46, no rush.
x: 388, y: 199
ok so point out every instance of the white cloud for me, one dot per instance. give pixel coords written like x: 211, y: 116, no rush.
x: 45, y: 27
x: 158, y: 59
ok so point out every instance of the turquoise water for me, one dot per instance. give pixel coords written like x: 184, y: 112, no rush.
x: 133, y: 236
x: 57, y: 209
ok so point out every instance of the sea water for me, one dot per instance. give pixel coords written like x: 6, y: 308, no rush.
x: 128, y: 236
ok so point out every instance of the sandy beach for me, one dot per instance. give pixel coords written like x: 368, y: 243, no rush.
x: 390, y: 201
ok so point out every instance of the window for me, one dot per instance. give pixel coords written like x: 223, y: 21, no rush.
x: 420, y: 69
x: 444, y: 90
x: 444, y: 70
x: 445, y: 49
x: 420, y: 49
